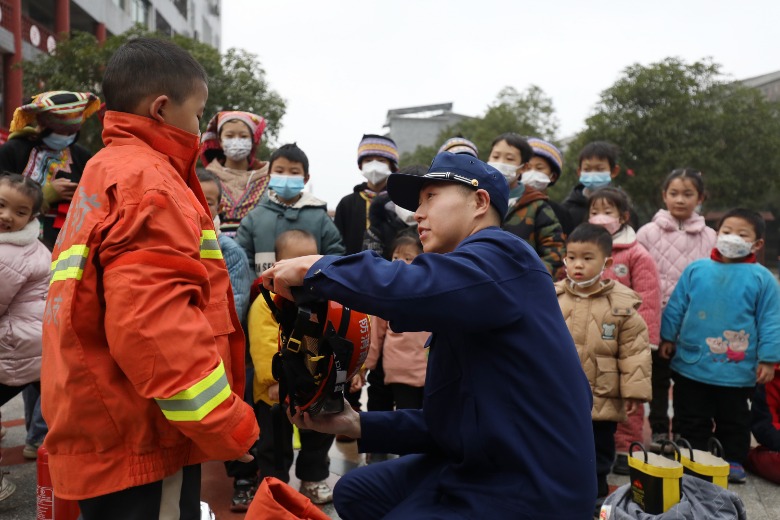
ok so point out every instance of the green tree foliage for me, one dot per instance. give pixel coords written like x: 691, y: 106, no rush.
x: 529, y: 113
x: 236, y: 79
x: 674, y: 114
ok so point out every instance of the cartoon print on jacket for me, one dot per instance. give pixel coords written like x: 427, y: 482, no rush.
x: 734, y: 346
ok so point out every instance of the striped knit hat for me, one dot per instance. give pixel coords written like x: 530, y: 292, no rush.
x: 549, y: 152
x: 380, y: 146
x: 459, y: 145
x: 60, y: 111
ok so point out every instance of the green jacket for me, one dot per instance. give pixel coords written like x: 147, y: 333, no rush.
x: 259, y: 229
x: 533, y: 219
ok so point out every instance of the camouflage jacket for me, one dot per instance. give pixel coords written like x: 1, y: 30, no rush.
x: 533, y: 220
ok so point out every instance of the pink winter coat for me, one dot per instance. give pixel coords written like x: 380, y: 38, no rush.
x: 633, y: 266
x: 404, y: 358
x: 674, y: 244
x: 24, y: 270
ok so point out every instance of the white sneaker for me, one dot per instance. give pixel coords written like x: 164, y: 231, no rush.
x: 7, y: 487
x: 318, y: 492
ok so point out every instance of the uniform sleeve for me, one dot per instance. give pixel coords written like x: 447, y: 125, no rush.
x: 331, y: 238
x: 634, y: 361
x: 675, y: 310
x: 768, y: 320
x: 378, y: 333
x: 645, y: 281
x: 245, y: 240
x: 549, y: 238
x: 401, y: 431
x: 156, y: 289
x: 765, y: 412
x: 263, y: 344
x: 426, y: 294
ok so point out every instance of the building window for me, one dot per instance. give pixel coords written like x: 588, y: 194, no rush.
x: 139, y: 11
x: 181, y: 6
x: 119, y: 3
x: 161, y: 25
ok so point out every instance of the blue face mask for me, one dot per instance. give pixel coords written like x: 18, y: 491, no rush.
x: 286, y: 186
x: 58, y: 141
x: 595, y: 180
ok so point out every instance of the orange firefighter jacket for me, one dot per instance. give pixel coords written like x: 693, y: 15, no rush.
x: 141, y: 342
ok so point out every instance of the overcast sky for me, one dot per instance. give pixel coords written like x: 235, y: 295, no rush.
x: 341, y: 65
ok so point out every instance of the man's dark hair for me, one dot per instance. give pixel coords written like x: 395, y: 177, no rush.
x: 748, y: 215
x: 145, y: 67
x: 592, y: 234
x: 26, y: 186
x: 292, y: 234
x: 599, y: 150
x: 292, y: 153
x: 414, y: 169
x: 206, y: 176
x: 516, y: 141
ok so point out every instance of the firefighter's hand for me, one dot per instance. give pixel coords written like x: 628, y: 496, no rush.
x: 346, y: 422
x: 288, y: 273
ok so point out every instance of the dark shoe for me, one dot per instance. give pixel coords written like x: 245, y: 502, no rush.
x: 620, y: 467
x: 243, y: 493
x: 7, y: 487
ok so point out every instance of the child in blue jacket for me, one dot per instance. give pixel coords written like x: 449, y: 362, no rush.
x: 722, y: 325
x: 505, y: 428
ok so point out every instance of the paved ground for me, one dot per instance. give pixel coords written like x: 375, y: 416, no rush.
x: 760, y: 496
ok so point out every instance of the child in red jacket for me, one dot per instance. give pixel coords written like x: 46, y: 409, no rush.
x: 765, y: 459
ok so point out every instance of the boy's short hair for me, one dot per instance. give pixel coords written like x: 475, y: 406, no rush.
x: 599, y: 150
x: 26, y: 186
x: 592, y: 234
x: 145, y: 67
x: 206, y: 176
x: 292, y: 153
x: 288, y: 236
x: 748, y: 215
x: 516, y: 141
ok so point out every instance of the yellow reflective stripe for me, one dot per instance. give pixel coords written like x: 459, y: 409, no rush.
x: 70, y: 263
x: 209, y: 245
x: 195, y: 403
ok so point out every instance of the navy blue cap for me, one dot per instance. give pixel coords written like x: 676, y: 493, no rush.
x: 404, y: 189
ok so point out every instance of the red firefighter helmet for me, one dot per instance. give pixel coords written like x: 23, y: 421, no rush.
x: 322, y: 346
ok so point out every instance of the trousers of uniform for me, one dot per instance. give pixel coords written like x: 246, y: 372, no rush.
x: 702, y: 411
x: 172, y: 498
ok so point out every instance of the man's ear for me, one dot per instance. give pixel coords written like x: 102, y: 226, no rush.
x: 615, y: 171
x: 482, y: 198
x: 157, y: 108
x: 757, y: 245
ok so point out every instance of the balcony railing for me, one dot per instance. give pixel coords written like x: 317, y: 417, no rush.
x: 37, y: 35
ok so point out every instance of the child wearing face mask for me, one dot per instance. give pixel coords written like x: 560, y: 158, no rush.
x: 596, y: 168
x: 228, y: 148
x: 542, y: 171
x: 721, y: 329
x: 633, y: 267
x: 286, y: 206
x: 676, y: 237
x: 530, y: 215
x: 24, y: 267
x: 610, y: 336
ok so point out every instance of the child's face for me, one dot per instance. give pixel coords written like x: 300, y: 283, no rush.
x: 284, y: 166
x: 369, y: 158
x: 235, y: 130
x: 296, y: 248
x: 16, y: 209
x: 596, y: 164
x: 742, y: 228
x: 540, y: 165
x: 604, y: 207
x: 211, y: 192
x: 186, y: 116
x: 505, y: 153
x: 405, y: 253
x: 445, y: 217
x: 681, y: 198
x: 584, y: 261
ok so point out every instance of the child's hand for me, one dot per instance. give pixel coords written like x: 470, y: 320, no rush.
x: 765, y: 373
x: 631, y: 405
x: 359, y: 380
x: 666, y: 349
x: 273, y: 392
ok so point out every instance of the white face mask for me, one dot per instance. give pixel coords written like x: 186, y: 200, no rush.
x: 405, y: 215
x: 217, y: 224
x: 535, y: 179
x: 733, y: 246
x: 375, y: 172
x: 584, y: 284
x: 509, y: 171
x: 237, y: 148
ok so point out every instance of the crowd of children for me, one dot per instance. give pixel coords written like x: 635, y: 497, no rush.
x: 673, y: 301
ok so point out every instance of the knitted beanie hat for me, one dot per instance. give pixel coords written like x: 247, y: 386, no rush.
x: 60, y: 111
x: 380, y: 146
x: 210, y: 146
x: 459, y: 145
x: 549, y: 152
